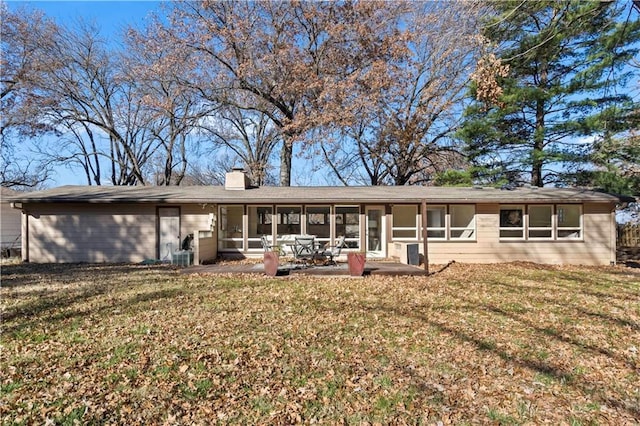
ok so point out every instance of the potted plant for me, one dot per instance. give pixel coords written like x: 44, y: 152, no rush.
x: 356, y: 261
x: 271, y: 262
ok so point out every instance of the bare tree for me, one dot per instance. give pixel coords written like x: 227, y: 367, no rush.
x: 159, y: 71
x: 25, y: 37
x: 404, y: 138
x: 98, y: 108
x: 250, y: 136
x: 303, y: 63
x: 213, y: 172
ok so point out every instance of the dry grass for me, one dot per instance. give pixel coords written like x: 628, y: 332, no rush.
x: 508, y: 344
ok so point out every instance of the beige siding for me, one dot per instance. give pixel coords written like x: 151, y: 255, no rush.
x: 594, y: 249
x: 193, y: 219
x: 105, y: 233
x: 207, y: 249
x: 128, y: 233
x: 91, y: 233
x: 9, y: 226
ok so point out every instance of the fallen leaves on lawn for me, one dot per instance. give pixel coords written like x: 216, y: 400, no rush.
x: 515, y: 343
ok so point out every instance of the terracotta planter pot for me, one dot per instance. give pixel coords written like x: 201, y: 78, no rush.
x: 356, y: 263
x: 271, y: 261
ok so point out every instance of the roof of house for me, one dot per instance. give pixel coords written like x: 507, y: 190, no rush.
x: 6, y: 193
x: 307, y: 195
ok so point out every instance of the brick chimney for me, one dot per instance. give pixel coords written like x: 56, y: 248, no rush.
x: 236, y: 180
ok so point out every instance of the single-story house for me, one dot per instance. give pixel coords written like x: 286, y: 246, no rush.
x: 475, y: 225
x: 9, y: 224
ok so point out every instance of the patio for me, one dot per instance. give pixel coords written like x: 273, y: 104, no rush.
x: 341, y: 269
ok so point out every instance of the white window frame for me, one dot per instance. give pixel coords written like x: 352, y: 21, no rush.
x: 413, y: 228
x: 512, y: 207
x: 468, y: 232
x: 579, y: 228
x: 549, y: 228
x: 443, y: 229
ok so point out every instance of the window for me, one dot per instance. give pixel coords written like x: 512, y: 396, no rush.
x: 260, y: 219
x: 436, y: 222
x: 289, y: 220
x: 540, y: 222
x: 463, y: 221
x: 511, y: 221
x: 404, y: 222
x: 231, y: 227
x: 348, y: 224
x: 318, y: 223
x: 569, y: 221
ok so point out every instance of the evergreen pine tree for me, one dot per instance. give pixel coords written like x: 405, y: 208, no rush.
x: 564, y: 90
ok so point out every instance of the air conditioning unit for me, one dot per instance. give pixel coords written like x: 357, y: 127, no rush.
x: 409, y: 253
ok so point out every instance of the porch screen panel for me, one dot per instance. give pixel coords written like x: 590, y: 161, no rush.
x: 348, y: 224
x: 405, y: 222
x: 260, y: 219
x: 231, y: 232
x: 318, y: 223
x: 289, y: 220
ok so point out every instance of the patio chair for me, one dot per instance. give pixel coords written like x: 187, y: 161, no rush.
x: 304, y: 250
x: 267, y: 246
x: 334, y: 251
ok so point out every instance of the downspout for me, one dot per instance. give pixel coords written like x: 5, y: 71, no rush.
x: 425, y: 245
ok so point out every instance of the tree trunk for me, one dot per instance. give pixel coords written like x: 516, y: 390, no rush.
x: 285, y: 161
x: 538, y: 146
x: 538, y: 137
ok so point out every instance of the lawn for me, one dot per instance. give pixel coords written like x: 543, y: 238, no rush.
x: 504, y: 344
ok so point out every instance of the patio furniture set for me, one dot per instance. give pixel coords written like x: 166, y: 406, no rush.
x: 306, y: 251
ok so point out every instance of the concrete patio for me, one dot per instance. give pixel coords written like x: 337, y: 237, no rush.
x: 341, y: 269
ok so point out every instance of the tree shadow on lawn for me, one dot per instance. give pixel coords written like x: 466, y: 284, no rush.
x: 616, y: 293
x: 584, y: 279
x: 567, y: 377
x: 39, y: 315
x: 551, y: 332
x: 620, y: 290
x: 32, y: 274
x: 96, y: 280
x: 571, y: 291
x: 615, y: 321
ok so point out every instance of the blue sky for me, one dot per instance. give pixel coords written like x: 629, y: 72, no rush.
x: 112, y: 17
